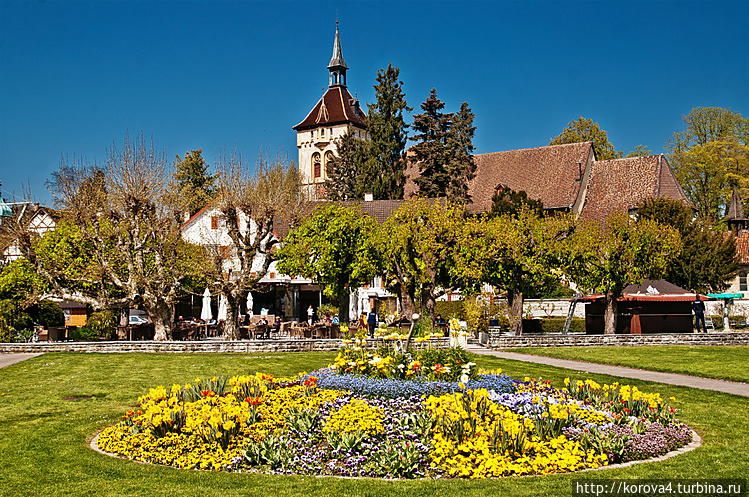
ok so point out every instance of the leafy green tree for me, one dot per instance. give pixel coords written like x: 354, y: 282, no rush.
x: 640, y: 151
x: 461, y: 167
x: 388, y: 132
x: 346, y: 172
x: 708, y: 259
x: 336, y: 247
x: 431, y: 130
x: 707, y: 172
x: 583, y: 130
x: 418, y: 244
x: 606, y: 259
x: 194, y: 185
x: 517, y: 253
x: 710, y: 156
x: 508, y: 202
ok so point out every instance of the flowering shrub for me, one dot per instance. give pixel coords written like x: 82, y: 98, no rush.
x: 433, y: 364
x: 347, y: 424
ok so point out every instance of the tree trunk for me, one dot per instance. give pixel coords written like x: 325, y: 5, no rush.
x: 408, y: 307
x: 343, y: 306
x: 427, y: 304
x: 231, y: 330
x: 609, y: 317
x: 160, y: 314
x: 515, y: 301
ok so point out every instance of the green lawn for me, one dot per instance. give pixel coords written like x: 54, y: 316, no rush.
x: 52, y: 406
x: 727, y: 363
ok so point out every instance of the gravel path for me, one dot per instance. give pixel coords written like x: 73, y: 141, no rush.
x: 731, y: 387
x: 8, y: 359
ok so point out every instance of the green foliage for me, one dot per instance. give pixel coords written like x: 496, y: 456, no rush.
x: 582, y: 130
x: 348, y: 179
x: 556, y: 325
x: 508, y: 202
x: 47, y: 313
x: 84, y: 333
x: 327, y: 310
x: 19, y: 281
x: 640, y: 151
x: 443, y: 150
x: 335, y: 246
x: 624, y: 252
x: 708, y: 259
x: 194, y: 184
x: 448, y: 309
x: 478, y: 310
x: 418, y: 244
x: 384, y: 168
x: 710, y: 156
x: 102, y: 323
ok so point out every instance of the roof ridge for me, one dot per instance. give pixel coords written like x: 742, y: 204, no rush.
x: 536, y: 148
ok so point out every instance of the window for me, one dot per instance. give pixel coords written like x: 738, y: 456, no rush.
x: 322, y: 131
x: 742, y: 281
x: 328, y: 160
x: 316, y: 166
x: 214, y: 222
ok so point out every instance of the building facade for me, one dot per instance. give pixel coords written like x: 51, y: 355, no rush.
x: 335, y: 114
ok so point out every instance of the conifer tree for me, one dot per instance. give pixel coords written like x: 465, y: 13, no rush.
x: 461, y: 167
x: 345, y: 170
x: 194, y: 184
x: 430, y: 154
x: 384, y: 168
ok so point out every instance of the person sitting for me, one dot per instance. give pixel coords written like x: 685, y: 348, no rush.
x: 439, y: 320
x: 335, y: 320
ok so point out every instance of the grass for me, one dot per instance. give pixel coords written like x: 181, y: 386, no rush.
x: 727, y: 363
x: 53, y: 405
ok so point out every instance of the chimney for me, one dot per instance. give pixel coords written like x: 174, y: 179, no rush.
x: 368, y: 197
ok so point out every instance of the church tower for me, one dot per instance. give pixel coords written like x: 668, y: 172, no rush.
x: 333, y: 115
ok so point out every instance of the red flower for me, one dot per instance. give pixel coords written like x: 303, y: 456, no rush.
x: 207, y: 393
x: 253, y: 401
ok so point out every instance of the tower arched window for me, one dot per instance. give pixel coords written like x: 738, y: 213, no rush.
x: 316, y: 165
x: 328, y: 160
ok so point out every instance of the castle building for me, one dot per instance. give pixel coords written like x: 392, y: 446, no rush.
x: 334, y: 114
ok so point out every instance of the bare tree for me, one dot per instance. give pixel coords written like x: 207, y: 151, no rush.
x: 251, y: 202
x: 121, y: 210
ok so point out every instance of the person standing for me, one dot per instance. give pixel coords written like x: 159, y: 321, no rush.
x: 698, y: 306
x: 372, y: 322
x: 310, y: 313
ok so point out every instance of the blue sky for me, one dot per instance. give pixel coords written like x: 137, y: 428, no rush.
x: 76, y: 76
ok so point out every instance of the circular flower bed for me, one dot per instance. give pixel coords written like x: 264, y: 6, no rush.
x: 371, y: 422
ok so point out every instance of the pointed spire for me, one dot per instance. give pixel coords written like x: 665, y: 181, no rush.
x: 337, y: 66
x: 735, y: 209
x: 337, y: 59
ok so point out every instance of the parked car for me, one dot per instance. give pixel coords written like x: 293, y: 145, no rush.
x: 138, y: 320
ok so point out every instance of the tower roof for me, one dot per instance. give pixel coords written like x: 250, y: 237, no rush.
x: 337, y: 59
x: 735, y: 209
x: 337, y: 106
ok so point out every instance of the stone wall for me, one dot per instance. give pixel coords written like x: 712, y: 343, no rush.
x: 241, y: 346
x: 498, y: 341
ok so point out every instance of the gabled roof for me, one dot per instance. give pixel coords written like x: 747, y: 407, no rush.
x: 618, y: 185
x: 742, y: 246
x: 337, y: 106
x: 551, y: 174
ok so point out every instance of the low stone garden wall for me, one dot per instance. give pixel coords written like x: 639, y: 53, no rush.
x: 498, y: 341
x: 206, y: 346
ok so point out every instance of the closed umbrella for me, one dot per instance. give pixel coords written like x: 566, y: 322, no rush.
x: 249, y: 303
x: 221, y: 309
x: 205, y: 313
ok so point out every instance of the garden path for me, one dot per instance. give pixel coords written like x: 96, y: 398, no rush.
x: 731, y: 387
x: 8, y: 359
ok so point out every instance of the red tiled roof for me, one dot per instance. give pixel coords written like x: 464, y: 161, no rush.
x: 618, y: 185
x: 337, y: 106
x: 549, y: 173
x: 742, y: 246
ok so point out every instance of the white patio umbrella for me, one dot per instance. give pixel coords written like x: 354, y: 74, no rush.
x: 221, y: 316
x: 250, y: 302
x: 205, y: 312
